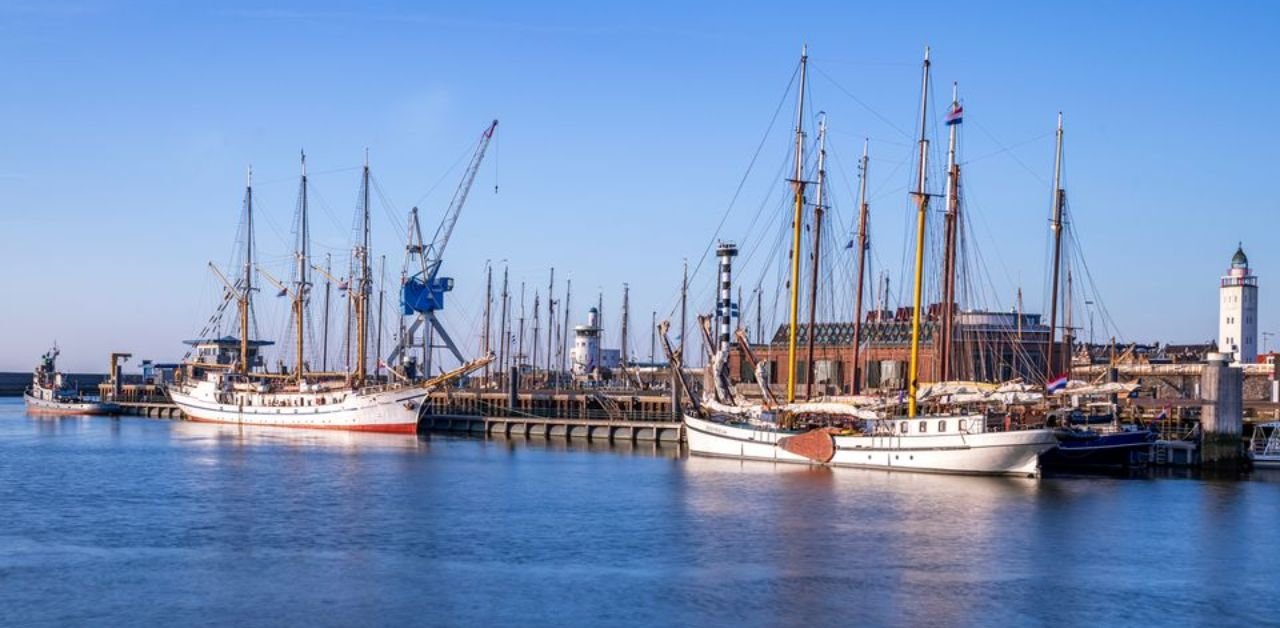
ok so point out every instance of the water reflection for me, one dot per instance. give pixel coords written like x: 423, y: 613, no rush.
x: 222, y: 521
x: 215, y: 435
x: 621, y: 448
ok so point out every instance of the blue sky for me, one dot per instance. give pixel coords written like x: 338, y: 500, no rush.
x: 625, y: 130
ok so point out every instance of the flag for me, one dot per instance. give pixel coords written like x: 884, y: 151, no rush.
x: 955, y: 115
x: 283, y: 292
x: 1057, y: 383
x: 342, y: 286
x: 849, y: 245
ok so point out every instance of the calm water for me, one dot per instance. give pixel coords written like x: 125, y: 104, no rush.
x: 134, y: 521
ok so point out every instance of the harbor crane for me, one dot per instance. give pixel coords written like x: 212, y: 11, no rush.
x: 422, y: 292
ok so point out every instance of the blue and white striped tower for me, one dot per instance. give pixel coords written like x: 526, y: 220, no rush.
x: 726, y: 308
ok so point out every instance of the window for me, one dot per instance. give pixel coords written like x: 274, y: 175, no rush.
x: 902, y: 428
x: 942, y: 426
x: 963, y: 425
x: 924, y: 427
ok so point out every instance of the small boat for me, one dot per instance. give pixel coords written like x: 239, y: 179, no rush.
x: 1095, y: 442
x: 49, y: 393
x: 1264, y: 445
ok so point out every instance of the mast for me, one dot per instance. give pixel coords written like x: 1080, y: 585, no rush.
x: 502, y: 327
x: 382, y: 295
x: 759, y: 337
x: 1056, y: 227
x: 536, y: 340
x: 362, y: 295
x: 328, y: 289
x: 797, y: 220
x: 551, y: 316
x: 626, y: 306
x: 818, y: 210
x: 488, y: 317
x: 863, y: 211
x: 303, y: 255
x: 248, y: 274
x: 922, y: 202
x: 684, y: 305
x: 1067, y: 330
x: 950, y: 221
x: 564, y: 331
x: 519, y: 356
x: 653, y: 337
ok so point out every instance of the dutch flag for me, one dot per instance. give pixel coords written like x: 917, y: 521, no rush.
x: 955, y: 115
x: 1057, y: 383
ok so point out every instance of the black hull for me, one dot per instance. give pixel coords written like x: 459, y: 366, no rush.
x: 1110, y: 452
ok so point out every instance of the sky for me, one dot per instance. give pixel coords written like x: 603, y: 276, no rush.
x: 625, y: 132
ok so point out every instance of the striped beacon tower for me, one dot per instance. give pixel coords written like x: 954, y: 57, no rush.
x: 726, y: 308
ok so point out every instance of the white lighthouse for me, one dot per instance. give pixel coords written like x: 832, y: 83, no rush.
x: 586, y: 345
x: 1238, y: 310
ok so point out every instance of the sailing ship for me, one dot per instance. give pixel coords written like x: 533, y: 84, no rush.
x: 1093, y: 441
x: 224, y: 380
x: 49, y: 392
x: 844, y: 432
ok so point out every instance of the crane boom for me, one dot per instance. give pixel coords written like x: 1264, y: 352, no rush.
x: 435, y: 253
x: 422, y: 293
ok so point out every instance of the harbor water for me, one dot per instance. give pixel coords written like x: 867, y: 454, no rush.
x: 132, y: 521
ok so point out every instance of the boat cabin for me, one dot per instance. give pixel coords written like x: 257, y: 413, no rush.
x: 224, y: 353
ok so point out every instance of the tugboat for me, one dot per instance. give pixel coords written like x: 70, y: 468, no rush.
x: 49, y: 394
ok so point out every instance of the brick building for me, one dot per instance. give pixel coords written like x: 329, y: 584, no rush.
x: 988, y: 346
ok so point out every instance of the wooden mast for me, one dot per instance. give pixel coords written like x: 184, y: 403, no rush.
x: 950, y: 220
x: 248, y: 274
x: 328, y: 288
x: 863, y: 211
x: 1056, y: 227
x: 922, y: 203
x: 300, y: 292
x: 797, y: 221
x: 362, y: 293
x: 818, y: 210
x: 488, y: 320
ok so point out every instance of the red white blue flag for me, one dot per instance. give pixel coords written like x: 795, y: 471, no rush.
x: 955, y: 115
x: 1057, y: 383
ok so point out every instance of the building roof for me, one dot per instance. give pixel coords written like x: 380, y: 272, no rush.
x: 1240, y: 260
x: 227, y: 341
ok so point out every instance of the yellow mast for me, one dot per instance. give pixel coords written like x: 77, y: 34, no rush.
x: 922, y: 201
x: 797, y: 219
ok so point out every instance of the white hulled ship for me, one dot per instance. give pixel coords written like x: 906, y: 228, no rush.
x: 225, y: 381
x: 839, y: 432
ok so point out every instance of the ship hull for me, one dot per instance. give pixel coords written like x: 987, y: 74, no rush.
x: 989, y: 453
x: 392, y: 411
x: 67, y: 408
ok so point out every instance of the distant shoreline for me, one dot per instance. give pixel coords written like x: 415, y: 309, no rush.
x: 12, y: 384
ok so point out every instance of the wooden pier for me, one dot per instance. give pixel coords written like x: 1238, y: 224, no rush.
x: 554, y: 415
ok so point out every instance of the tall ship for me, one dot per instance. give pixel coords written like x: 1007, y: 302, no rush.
x: 225, y: 378
x: 858, y: 431
x: 49, y: 392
